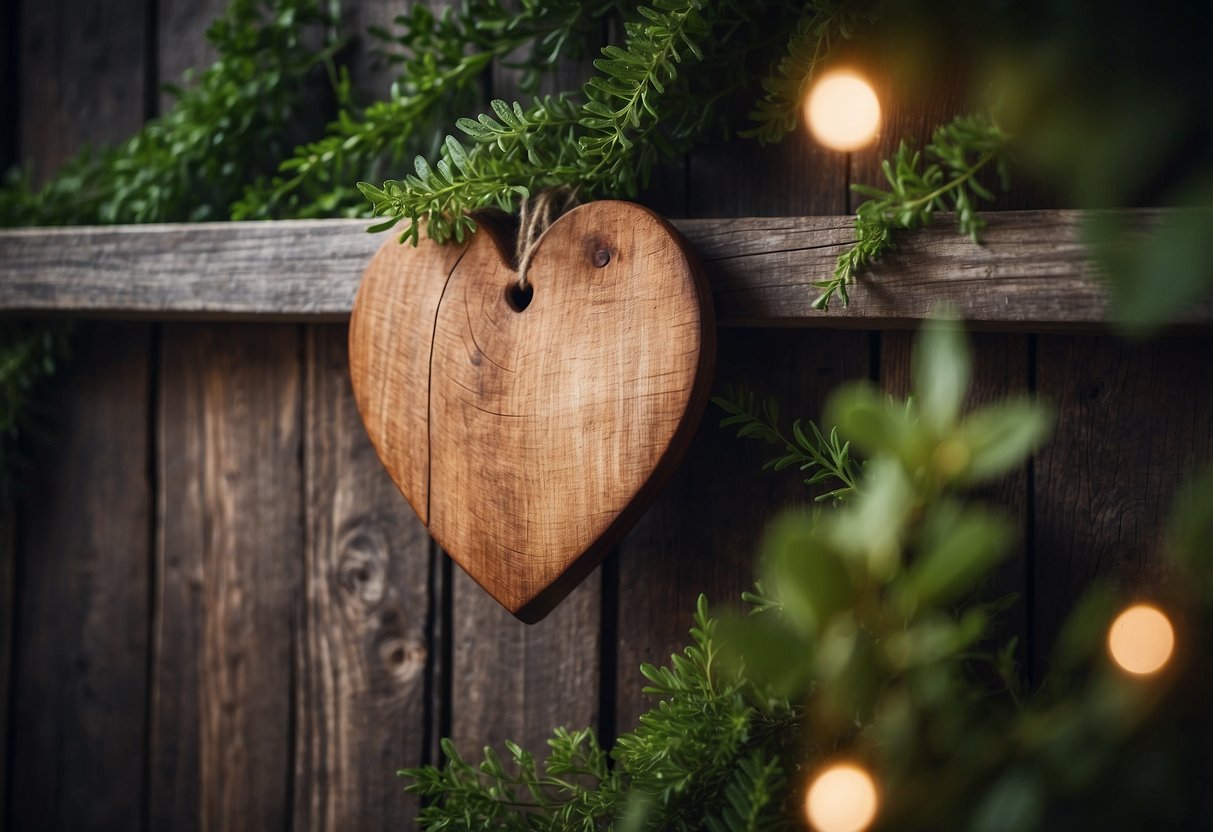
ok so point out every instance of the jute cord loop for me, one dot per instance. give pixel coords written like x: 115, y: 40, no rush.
x: 536, y: 215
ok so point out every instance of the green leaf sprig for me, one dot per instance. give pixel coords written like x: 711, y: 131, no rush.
x: 827, y: 458
x: 958, y: 152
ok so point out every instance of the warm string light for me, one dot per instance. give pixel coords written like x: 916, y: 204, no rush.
x: 842, y: 798
x: 843, y: 111
x: 1141, y: 640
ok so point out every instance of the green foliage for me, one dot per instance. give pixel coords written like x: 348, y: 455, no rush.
x: 703, y: 740
x: 651, y: 97
x: 957, y: 153
x: 192, y: 163
x: 808, y: 449
x: 442, y: 58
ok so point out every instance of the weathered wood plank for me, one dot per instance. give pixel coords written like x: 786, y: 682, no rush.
x: 361, y: 681
x: 705, y: 530
x: 1000, y: 369
x: 510, y: 680
x: 1030, y: 272
x: 229, y: 571
x: 82, y: 76
x: 1133, y: 420
x: 517, y: 681
x: 8, y: 556
x: 80, y: 648
x: 703, y: 534
x: 181, y: 40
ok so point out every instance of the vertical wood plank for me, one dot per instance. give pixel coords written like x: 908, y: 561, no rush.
x: 703, y: 532
x: 10, y: 74
x: 229, y: 570
x: 361, y: 670
x: 80, y: 655
x: 1000, y: 369
x: 8, y: 555
x: 705, y: 529
x: 370, y: 75
x: 181, y: 42
x: 83, y: 76
x: 510, y: 680
x: 1134, y: 419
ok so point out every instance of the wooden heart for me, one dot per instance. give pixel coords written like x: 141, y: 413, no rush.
x: 528, y: 439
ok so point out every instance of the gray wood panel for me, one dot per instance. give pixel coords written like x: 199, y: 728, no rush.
x: 79, y: 664
x: 1134, y: 418
x: 510, y: 680
x: 181, y: 42
x: 361, y: 680
x: 1029, y: 274
x: 1000, y: 369
x: 228, y: 601
x: 82, y: 74
x: 8, y: 558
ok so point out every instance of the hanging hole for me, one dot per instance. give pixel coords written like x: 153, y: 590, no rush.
x: 519, y: 298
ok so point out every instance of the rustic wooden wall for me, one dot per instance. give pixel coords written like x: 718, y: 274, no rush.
x: 218, y: 613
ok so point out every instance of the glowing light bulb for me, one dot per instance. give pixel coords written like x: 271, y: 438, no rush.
x: 1141, y: 639
x: 841, y: 799
x: 843, y: 111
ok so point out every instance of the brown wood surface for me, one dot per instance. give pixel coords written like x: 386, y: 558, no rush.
x: 361, y: 706
x: 1000, y: 369
x: 8, y: 557
x: 508, y: 680
x: 181, y: 42
x: 704, y: 532
x: 1029, y: 274
x: 228, y: 604
x: 79, y: 665
x: 1134, y: 419
x: 83, y: 76
x: 912, y: 108
x: 547, y: 429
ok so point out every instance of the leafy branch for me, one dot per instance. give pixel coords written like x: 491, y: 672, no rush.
x: 702, y: 739
x: 808, y: 449
x: 957, y: 153
x: 442, y: 59
x: 643, y: 105
x: 820, y: 25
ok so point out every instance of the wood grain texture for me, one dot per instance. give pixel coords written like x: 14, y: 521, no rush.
x: 509, y: 680
x: 181, y: 40
x: 1134, y: 419
x: 1030, y: 273
x: 83, y: 77
x: 229, y: 568
x: 550, y: 427
x: 391, y: 354
x: 1000, y: 369
x: 361, y: 681
x: 705, y: 530
x: 81, y: 637
x: 8, y: 557
x: 517, y: 682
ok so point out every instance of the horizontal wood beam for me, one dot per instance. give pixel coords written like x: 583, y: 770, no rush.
x: 1030, y: 272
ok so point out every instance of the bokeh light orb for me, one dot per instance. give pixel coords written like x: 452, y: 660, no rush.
x: 843, y: 111
x: 1141, y: 640
x: 842, y: 798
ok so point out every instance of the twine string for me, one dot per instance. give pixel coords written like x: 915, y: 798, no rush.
x: 536, y: 215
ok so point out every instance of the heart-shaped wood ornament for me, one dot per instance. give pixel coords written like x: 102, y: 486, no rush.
x: 530, y: 432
